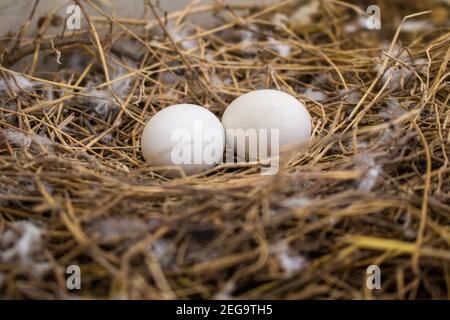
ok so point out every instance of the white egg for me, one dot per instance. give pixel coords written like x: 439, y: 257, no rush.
x: 273, y: 111
x: 183, y: 136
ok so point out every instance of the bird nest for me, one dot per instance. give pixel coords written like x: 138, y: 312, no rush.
x: 373, y: 188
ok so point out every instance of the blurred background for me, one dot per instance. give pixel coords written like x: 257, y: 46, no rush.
x: 14, y: 12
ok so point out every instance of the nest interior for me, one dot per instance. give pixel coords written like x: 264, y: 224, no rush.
x: 373, y: 188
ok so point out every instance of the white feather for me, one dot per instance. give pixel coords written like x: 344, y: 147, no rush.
x: 371, y: 172
x: 315, y: 94
x: 289, y: 261
x: 283, y: 49
x: 179, y: 34
x: 23, y: 243
x: 17, y: 83
x: 17, y: 138
x: 296, y: 202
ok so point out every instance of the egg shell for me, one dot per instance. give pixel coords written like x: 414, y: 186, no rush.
x: 268, y: 109
x: 163, y: 132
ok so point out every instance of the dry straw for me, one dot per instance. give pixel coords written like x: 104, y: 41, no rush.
x: 373, y: 188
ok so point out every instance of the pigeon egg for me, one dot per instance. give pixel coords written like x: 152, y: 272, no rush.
x: 183, y: 137
x: 271, y: 111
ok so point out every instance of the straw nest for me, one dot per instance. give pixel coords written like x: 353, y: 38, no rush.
x: 372, y: 189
